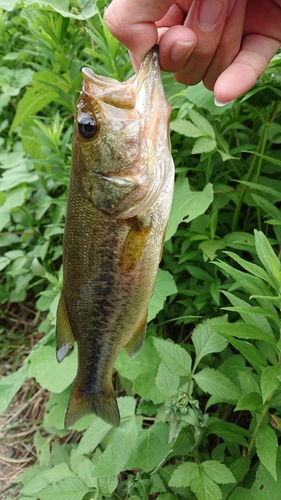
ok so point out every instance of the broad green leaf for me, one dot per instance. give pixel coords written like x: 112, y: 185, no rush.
x: 86, y: 472
x: 204, y: 488
x: 125, y: 436
x: 36, y: 483
x: 58, y: 472
x: 239, y: 469
x: 251, y: 267
x: 218, y: 472
x: 176, y: 358
x: 211, y: 247
x: 251, y: 353
x: 203, y: 98
x: 183, y: 474
x: 105, y: 466
x: 250, y: 402
x: 50, y: 374
x: 186, y: 128
x: 268, y: 258
x: 166, y: 382
x: 10, y: 385
x: 187, y: 204
x: 206, y: 340
x: 267, y: 445
x: 14, y: 198
x: 270, y: 381
x: 227, y: 431
x: 216, y: 384
x: 164, y: 286
x: 204, y: 145
x: 142, y: 371
x: 243, y: 331
x: 67, y: 489
x: 152, y: 447
x: 93, y: 436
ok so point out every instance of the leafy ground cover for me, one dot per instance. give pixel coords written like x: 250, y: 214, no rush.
x: 200, y: 405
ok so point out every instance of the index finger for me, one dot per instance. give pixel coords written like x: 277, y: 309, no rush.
x: 133, y: 23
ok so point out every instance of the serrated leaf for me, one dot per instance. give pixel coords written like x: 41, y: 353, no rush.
x: 67, y: 489
x: 250, y: 402
x: 217, y: 384
x: 206, y: 340
x: 251, y: 267
x: 268, y: 258
x: 93, y: 436
x: 270, y: 381
x: 166, y: 382
x: 267, y: 445
x: 152, y: 447
x: 142, y: 371
x: 187, y: 204
x: 176, y: 358
x: 58, y: 472
x: 125, y: 436
x: 227, y: 431
x: 250, y: 352
x: 204, y: 145
x: 164, y: 286
x: 186, y: 128
x: 218, y: 472
x: 205, y: 489
x: 243, y: 331
x: 201, y: 122
x: 183, y: 474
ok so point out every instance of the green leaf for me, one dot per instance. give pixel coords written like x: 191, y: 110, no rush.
x: 34, y: 99
x: 218, y: 472
x: 250, y: 267
x: 204, y: 488
x: 211, y: 247
x: 59, y: 472
x: 10, y: 385
x: 67, y: 489
x: 201, y: 122
x: 250, y: 402
x: 176, y: 358
x: 243, y: 331
x: 186, y: 128
x: 126, y: 435
x: 50, y: 374
x: 216, y: 384
x: 270, y: 381
x: 187, y: 204
x: 146, y: 362
x: 267, y: 445
x: 251, y: 353
x: 166, y: 382
x: 268, y: 258
x: 164, y: 286
x: 93, y: 436
x: 204, y: 145
x: 152, y: 447
x: 206, y: 340
x: 183, y: 474
x: 227, y: 431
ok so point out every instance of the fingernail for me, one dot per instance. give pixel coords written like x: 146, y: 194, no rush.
x: 181, y: 49
x: 220, y: 104
x: 209, y: 13
x: 230, y: 7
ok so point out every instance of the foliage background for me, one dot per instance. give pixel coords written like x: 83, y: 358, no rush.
x: 200, y: 405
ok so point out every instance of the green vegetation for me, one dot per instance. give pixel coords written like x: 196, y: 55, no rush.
x: 200, y: 405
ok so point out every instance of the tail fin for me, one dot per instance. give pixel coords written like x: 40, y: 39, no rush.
x: 104, y: 407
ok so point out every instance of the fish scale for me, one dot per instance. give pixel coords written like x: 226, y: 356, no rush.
x: 119, y: 201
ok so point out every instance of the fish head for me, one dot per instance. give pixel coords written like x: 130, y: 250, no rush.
x: 121, y: 145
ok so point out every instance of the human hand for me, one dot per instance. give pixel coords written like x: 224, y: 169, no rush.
x: 225, y: 43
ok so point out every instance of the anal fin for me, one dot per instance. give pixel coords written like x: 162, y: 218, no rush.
x: 64, y: 335
x: 136, y: 342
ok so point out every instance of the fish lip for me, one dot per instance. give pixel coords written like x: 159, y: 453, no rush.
x: 149, y: 66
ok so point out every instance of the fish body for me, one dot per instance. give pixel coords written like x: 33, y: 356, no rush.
x: 119, y: 201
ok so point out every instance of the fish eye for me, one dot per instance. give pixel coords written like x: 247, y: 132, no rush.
x: 88, y: 127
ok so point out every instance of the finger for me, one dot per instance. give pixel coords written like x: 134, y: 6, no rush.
x: 133, y: 23
x: 175, y: 47
x: 251, y: 62
x: 229, y: 44
x: 206, y: 19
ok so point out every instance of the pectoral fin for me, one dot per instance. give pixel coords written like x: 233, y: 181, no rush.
x: 135, y: 343
x: 133, y: 247
x: 64, y: 335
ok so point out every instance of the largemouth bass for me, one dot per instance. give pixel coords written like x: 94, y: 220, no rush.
x: 118, y: 206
